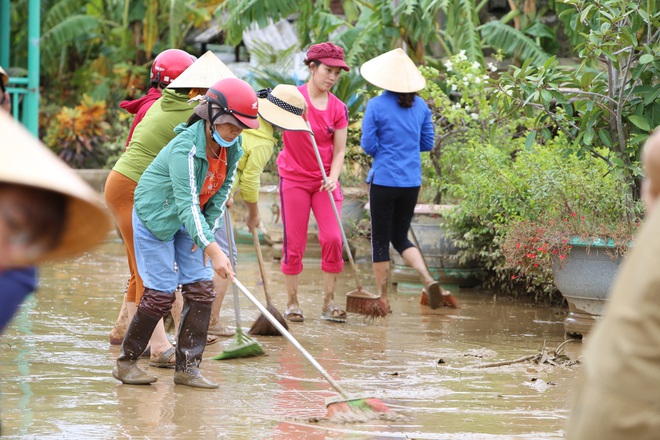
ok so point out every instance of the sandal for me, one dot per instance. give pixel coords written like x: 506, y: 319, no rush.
x: 167, y: 359
x: 221, y: 330
x: 294, y: 314
x: 434, y: 293
x: 210, y: 339
x: 334, y: 314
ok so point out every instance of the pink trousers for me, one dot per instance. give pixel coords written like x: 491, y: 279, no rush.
x: 297, y: 200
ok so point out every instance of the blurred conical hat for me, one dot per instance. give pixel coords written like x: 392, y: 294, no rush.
x: 203, y: 73
x: 26, y: 161
x: 393, y: 71
x: 3, y: 76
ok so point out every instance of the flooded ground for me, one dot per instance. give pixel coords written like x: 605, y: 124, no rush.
x: 56, y: 363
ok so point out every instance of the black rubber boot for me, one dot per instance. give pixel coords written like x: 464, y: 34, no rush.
x: 195, y: 316
x: 135, y: 342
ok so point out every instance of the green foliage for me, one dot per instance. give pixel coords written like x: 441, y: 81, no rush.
x: 463, y: 112
x: 611, y: 99
x: 80, y: 135
x: 514, y: 43
x: 520, y: 207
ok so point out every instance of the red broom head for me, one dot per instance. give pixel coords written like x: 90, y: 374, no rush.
x: 374, y: 307
x: 357, y: 410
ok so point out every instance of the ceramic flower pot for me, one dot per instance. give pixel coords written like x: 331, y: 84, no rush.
x: 584, y: 279
x: 439, y: 252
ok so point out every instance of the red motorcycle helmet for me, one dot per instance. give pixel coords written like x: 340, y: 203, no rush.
x: 234, y: 97
x: 169, y: 64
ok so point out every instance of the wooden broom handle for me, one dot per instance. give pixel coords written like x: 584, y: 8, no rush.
x: 260, y: 258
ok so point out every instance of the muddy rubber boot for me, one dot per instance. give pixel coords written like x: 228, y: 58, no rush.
x: 135, y: 342
x: 195, y: 316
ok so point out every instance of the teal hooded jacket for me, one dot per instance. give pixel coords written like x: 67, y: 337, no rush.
x: 167, y: 195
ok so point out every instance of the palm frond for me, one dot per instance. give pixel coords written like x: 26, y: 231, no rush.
x: 237, y: 15
x: 512, y: 42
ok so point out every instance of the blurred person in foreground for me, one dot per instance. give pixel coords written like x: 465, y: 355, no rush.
x: 46, y: 212
x: 618, y: 396
x: 5, y: 101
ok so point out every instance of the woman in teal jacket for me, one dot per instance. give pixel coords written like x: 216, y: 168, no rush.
x: 179, y: 203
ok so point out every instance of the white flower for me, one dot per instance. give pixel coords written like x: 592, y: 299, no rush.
x: 461, y: 56
x: 492, y: 67
x: 448, y: 65
x: 454, y: 87
x: 476, y: 65
x: 477, y: 80
x: 474, y: 116
x: 469, y: 76
x: 457, y: 105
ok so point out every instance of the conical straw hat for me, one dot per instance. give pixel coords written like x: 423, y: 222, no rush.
x: 203, y: 73
x: 26, y: 161
x: 393, y: 71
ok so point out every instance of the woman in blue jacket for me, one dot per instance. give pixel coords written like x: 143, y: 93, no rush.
x: 396, y: 128
x: 179, y: 203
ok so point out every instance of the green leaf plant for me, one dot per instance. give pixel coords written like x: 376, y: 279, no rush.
x: 608, y: 102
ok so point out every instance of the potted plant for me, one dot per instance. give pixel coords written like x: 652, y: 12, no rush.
x: 575, y: 222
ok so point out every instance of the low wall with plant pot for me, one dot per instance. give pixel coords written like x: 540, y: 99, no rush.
x: 439, y: 252
x: 94, y: 177
x: 585, y: 279
x: 352, y: 211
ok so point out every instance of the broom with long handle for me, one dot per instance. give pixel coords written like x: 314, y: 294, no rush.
x: 243, y: 345
x: 359, y: 300
x: 448, y: 299
x: 262, y: 326
x: 361, y: 407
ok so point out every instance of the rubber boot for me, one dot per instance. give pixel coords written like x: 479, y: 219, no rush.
x: 135, y: 342
x: 195, y: 316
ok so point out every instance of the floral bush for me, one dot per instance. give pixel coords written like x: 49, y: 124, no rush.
x: 523, y: 206
x: 82, y: 137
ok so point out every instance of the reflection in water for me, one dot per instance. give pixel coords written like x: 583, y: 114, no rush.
x: 55, y: 370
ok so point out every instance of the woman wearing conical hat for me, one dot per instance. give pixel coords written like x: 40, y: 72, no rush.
x: 396, y: 128
x: 46, y: 212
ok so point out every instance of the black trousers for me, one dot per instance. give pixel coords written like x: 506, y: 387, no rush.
x: 391, y: 210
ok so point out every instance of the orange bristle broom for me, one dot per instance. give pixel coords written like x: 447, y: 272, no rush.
x: 358, y: 300
x: 341, y: 409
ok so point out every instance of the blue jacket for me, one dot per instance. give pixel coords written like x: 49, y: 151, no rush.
x: 15, y: 286
x: 394, y: 136
x: 167, y: 195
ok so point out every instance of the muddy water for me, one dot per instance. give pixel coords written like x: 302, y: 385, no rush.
x: 56, y: 362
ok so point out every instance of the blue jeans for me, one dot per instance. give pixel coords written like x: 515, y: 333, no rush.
x: 156, y: 259
x: 221, y: 239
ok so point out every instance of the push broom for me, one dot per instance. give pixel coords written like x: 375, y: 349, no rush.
x: 242, y: 345
x: 359, y: 300
x: 262, y: 326
x: 344, y: 408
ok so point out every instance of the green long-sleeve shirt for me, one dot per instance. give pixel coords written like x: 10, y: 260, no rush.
x: 167, y: 195
x: 153, y: 133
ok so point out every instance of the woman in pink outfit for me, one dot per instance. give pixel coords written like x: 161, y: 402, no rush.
x: 302, y: 188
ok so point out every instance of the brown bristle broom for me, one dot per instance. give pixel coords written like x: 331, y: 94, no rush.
x: 342, y: 409
x: 262, y: 326
x: 359, y: 300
